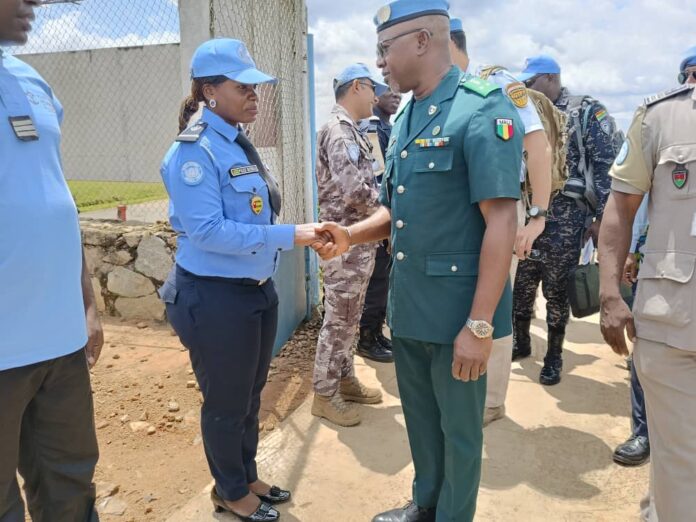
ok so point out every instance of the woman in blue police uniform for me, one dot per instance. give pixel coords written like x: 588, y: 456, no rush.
x: 220, y: 298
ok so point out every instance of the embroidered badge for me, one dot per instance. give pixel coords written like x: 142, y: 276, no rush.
x: 623, y: 154
x: 353, y: 152
x: 680, y: 176
x: 23, y: 127
x: 240, y: 171
x: 600, y: 114
x: 517, y: 93
x: 256, y: 204
x: 504, y: 129
x: 605, y: 126
x: 192, y: 173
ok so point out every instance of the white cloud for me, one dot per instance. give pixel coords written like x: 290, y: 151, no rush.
x: 618, y: 51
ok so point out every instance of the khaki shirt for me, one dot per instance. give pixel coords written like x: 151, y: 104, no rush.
x: 659, y: 157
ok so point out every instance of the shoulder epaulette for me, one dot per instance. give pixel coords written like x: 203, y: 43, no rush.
x: 656, y: 98
x: 479, y: 86
x: 193, y: 133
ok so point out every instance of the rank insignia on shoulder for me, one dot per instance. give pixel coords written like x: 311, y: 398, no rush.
x: 193, y: 133
x: 652, y: 100
x: 517, y: 93
x: 426, y: 143
x: 241, y: 171
x: 23, y: 127
x: 504, y: 128
x: 479, y: 86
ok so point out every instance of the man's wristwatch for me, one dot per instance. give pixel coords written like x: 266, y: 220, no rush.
x: 481, y: 329
x: 536, y: 212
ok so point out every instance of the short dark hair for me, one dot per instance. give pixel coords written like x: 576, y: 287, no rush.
x: 459, y: 39
x: 343, y: 89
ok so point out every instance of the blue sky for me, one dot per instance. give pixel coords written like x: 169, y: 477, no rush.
x: 618, y: 51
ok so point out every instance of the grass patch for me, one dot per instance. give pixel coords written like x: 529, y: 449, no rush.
x: 97, y: 195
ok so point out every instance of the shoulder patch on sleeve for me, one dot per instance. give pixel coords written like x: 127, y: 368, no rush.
x: 623, y: 154
x: 353, y: 151
x: 192, y: 133
x: 656, y: 98
x: 517, y: 93
x: 192, y: 173
x: 479, y: 86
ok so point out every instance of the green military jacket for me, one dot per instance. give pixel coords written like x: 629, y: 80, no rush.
x: 459, y: 146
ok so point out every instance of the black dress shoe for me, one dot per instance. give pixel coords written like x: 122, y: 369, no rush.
x: 275, y: 496
x: 409, y: 513
x: 634, y: 452
x: 264, y: 513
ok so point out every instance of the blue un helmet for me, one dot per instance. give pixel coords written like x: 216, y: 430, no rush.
x: 229, y: 58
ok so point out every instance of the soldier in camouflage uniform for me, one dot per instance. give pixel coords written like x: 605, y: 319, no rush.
x: 576, y: 209
x: 348, y: 193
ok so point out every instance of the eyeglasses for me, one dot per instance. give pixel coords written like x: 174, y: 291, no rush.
x: 532, y: 80
x: 383, y: 49
x: 370, y: 85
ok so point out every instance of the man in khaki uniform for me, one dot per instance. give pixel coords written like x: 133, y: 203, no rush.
x: 348, y: 193
x: 659, y: 157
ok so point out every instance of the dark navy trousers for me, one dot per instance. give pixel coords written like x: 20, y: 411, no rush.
x: 229, y: 328
x: 375, y: 309
x: 638, y: 417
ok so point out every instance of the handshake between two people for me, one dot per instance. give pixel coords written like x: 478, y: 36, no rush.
x: 328, y: 239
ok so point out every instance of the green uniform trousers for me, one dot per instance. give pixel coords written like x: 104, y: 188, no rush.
x: 444, y: 419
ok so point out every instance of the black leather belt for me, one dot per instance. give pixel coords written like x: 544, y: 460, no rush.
x: 244, y: 281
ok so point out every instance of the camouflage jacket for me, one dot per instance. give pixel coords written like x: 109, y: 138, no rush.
x: 348, y: 191
x: 600, y: 148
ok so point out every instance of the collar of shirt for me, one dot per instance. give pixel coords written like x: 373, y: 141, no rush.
x: 445, y: 90
x: 563, y: 99
x: 219, y: 125
x: 342, y: 114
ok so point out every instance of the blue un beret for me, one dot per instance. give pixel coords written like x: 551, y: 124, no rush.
x: 456, y: 25
x: 689, y: 59
x: 405, y: 10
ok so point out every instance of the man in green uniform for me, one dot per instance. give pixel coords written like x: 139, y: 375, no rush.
x: 448, y: 199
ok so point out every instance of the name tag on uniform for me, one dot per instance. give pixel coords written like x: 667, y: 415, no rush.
x: 241, y: 171
x: 23, y: 127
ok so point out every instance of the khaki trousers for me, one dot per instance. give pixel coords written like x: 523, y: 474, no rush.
x: 500, y: 363
x: 668, y: 377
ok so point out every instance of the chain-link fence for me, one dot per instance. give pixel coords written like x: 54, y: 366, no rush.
x: 117, y: 68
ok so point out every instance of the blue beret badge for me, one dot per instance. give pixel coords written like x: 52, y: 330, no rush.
x: 192, y: 173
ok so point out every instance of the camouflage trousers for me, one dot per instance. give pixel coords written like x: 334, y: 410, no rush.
x: 560, y: 246
x: 345, y: 283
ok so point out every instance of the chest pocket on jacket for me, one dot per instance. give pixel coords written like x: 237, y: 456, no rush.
x: 678, y: 164
x: 665, y: 292
x: 433, y: 160
x: 238, y: 192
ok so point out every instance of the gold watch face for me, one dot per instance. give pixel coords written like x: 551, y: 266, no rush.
x: 481, y: 329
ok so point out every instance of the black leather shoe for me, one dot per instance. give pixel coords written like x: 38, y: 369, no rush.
x: 409, y: 513
x: 521, y: 340
x: 369, y: 347
x: 383, y: 341
x: 634, y: 452
x: 264, y: 513
x: 275, y: 496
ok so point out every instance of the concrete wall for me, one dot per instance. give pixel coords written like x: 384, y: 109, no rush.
x: 121, y: 109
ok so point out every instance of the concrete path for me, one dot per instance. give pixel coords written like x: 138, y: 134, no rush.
x: 549, y: 460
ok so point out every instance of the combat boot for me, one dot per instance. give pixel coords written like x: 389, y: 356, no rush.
x: 353, y: 390
x: 335, y: 409
x: 521, y: 340
x: 371, y: 347
x: 553, y: 362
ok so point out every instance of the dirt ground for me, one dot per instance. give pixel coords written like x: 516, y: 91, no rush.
x: 147, y: 413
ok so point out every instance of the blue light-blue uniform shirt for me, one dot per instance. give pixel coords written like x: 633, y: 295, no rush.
x: 42, y: 314
x: 212, y: 207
